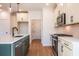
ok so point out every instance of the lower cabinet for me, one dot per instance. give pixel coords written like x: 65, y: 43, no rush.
x: 5, y: 50
x: 19, y: 48
x: 26, y: 44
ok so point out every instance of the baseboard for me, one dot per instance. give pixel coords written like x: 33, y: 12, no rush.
x: 46, y: 44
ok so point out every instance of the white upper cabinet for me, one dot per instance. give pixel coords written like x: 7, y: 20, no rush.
x: 22, y: 17
x: 73, y: 12
x: 68, y: 13
x: 59, y: 10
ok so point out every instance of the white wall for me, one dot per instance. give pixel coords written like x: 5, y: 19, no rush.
x: 48, y: 26
x: 13, y: 20
x: 4, y: 22
x: 35, y: 15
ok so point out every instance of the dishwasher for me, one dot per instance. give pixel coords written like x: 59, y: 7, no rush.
x: 19, y: 49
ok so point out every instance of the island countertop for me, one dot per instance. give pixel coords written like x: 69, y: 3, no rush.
x: 8, y: 39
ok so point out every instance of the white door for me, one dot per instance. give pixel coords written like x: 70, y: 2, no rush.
x: 35, y: 29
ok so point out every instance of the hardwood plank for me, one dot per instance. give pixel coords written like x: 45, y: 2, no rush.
x: 36, y: 49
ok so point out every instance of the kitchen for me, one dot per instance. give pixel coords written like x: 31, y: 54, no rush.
x: 24, y: 25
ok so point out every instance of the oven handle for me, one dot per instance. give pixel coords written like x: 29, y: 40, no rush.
x: 54, y: 39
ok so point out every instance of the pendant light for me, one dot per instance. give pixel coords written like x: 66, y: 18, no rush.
x: 19, y: 10
x: 18, y: 7
x: 10, y: 7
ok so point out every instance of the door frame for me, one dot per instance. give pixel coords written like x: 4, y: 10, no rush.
x: 31, y: 27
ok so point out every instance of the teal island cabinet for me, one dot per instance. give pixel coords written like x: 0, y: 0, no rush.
x: 14, y: 46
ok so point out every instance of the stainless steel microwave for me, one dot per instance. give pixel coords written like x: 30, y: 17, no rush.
x: 61, y: 19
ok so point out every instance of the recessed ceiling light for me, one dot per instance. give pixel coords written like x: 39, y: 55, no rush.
x: 61, y: 4
x: 47, y: 4
x: 20, y: 10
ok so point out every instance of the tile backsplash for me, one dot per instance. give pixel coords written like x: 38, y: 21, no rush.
x: 4, y: 33
x: 72, y: 30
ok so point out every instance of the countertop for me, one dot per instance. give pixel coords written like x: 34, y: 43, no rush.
x: 70, y: 39
x: 8, y: 39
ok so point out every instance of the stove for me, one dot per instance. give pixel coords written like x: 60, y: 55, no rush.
x: 54, y: 38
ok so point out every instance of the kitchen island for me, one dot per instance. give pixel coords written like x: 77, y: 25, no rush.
x: 14, y: 46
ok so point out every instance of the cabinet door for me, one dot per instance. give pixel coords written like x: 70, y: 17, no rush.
x: 60, y: 48
x: 26, y: 44
x: 18, y: 47
x: 67, y: 51
x: 72, y: 10
x: 19, y: 50
x: 5, y: 50
x: 75, y: 8
x: 22, y: 17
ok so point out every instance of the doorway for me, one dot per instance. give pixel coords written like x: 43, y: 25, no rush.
x: 36, y: 29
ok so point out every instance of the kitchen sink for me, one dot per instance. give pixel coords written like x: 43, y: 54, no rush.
x: 18, y: 35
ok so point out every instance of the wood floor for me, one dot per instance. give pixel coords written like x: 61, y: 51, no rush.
x: 36, y: 49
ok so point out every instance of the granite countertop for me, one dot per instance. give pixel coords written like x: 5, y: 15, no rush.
x: 8, y: 39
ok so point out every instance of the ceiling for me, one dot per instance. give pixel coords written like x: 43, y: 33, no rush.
x: 25, y: 6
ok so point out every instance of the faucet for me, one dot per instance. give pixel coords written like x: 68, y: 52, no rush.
x: 13, y: 30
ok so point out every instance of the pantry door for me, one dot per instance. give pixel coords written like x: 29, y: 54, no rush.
x: 35, y: 29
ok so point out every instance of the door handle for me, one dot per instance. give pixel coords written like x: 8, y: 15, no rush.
x: 16, y: 45
x: 66, y: 44
x: 61, y: 48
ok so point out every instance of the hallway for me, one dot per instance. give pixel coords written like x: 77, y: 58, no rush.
x: 36, y: 49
